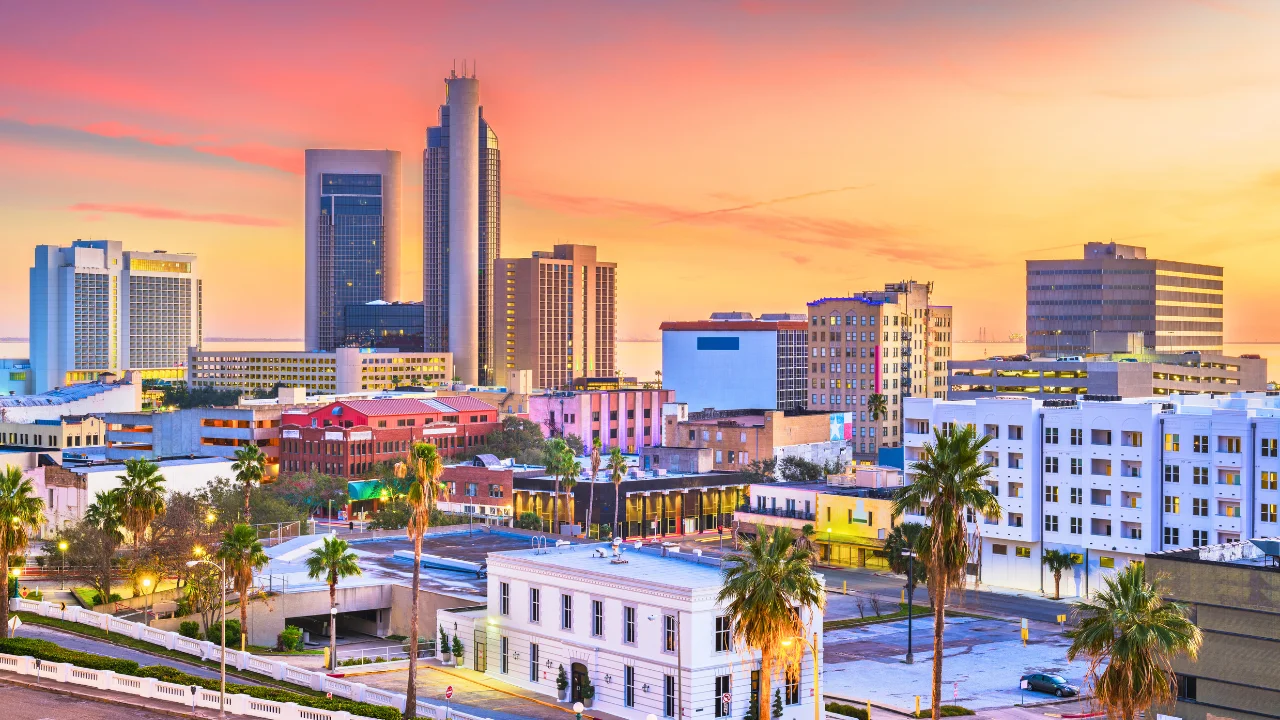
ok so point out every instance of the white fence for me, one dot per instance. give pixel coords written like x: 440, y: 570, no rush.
x: 205, y: 650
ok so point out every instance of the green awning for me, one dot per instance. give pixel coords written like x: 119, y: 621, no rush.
x: 364, y: 490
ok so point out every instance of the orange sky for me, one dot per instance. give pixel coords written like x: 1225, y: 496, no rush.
x: 747, y: 156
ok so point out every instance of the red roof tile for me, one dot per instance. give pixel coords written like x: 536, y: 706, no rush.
x: 463, y: 403
x: 388, y: 406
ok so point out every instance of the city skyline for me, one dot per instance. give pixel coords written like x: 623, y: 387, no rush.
x: 920, y: 143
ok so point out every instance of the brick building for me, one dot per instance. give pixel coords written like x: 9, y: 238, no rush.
x: 738, y: 437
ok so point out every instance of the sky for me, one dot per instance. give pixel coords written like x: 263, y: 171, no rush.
x: 749, y: 155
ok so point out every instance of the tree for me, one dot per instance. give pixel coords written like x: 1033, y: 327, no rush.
x: 309, y: 491
x: 572, y: 471
x: 141, y: 497
x: 878, y: 407
x: 244, y: 557
x: 555, y: 457
x: 21, y: 514
x: 226, y: 499
x: 204, y: 593
x: 761, y: 471
x: 777, y: 703
x: 798, y: 469
x: 333, y: 560
x: 103, y: 524
x: 576, y: 445
x: 529, y: 521
x: 805, y: 537
x: 249, y: 466
x: 518, y: 438
x: 617, y: 471
x: 595, y: 471
x: 1058, y: 562
x: 914, y: 536
x: 179, y: 395
x: 763, y: 586
x: 1132, y: 634
x: 947, y: 486
x: 425, y: 467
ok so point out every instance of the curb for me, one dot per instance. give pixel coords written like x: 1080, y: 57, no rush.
x: 97, y: 698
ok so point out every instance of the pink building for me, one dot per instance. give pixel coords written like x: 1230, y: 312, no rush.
x: 628, y: 419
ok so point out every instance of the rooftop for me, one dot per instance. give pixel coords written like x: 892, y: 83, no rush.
x: 733, y: 325
x: 680, y: 571
x: 1258, y: 552
x: 61, y: 396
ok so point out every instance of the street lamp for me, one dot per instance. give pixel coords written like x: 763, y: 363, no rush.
x: 62, y: 550
x: 222, y: 611
x: 910, y: 555
x: 578, y: 708
x: 146, y: 604
x: 817, y: 676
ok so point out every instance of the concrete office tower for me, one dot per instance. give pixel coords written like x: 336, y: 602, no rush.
x: 352, y: 236
x: 557, y: 315
x: 96, y: 308
x: 462, y: 207
x: 1095, y: 304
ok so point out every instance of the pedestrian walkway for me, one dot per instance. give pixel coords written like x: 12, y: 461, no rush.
x: 132, y: 706
x: 72, y: 641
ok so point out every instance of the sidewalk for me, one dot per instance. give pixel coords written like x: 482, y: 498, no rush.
x: 133, y: 702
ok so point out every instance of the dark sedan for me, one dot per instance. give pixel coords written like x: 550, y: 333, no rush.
x: 1051, y: 684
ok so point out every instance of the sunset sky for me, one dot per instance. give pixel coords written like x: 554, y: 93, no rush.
x: 729, y: 156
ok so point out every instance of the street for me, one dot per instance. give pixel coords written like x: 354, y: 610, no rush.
x: 23, y: 703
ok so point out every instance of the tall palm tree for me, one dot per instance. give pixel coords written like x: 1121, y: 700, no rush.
x: 554, y: 456
x: 106, y: 514
x: 333, y: 560
x: 249, y: 467
x: 244, y: 557
x: 595, y: 470
x: 21, y: 514
x: 424, y: 467
x: 878, y: 406
x: 948, y: 484
x: 1132, y: 634
x: 617, y: 471
x: 572, y: 471
x: 141, y: 498
x: 909, y: 536
x: 1057, y: 561
x: 764, y: 584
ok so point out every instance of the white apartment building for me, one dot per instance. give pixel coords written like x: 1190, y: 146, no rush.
x: 97, y: 308
x: 344, y: 370
x: 1111, y: 479
x: 646, y: 631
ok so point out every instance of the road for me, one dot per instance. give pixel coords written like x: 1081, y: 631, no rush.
x: 22, y: 703
x: 100, y: 647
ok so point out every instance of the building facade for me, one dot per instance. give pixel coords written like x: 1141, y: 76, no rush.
x: 97, y: 308
x: 739, y: 437
x: 67, y: 431
x: 1074, y: 306
x: 557, y: 315
x: 850, y: 523
x: 201, y: 431
x: 388, y: 326
x: 462, y: 231
x: 65, y: 497
x: 344, y: 370
x: 626, y: 419
x: 106, y: 394
x: 734, y: 361
x: 352, y: 237
x: 16, y: 377
x: 893, y: 344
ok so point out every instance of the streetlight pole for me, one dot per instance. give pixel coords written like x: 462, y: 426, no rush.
x: 62, y: 550
x: 910, y: 555
x: 817, y: 672
x: 222, y: 611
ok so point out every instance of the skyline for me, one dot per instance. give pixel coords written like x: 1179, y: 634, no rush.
x: 754, y: 144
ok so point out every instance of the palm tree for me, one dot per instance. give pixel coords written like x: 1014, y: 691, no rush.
x: 249, y: 467
x: 805, y: 538
x: 333, y: 560
x: 1057, y: 561
x: 106, y: 514
x: 763, y: 586
x: 554, y: 456
x: 595, y: 470
x: 909, y: 536
x: 244, y: 556
x: 617, y: 471
x: 1132, y: 634
x: 21, y: 513
x: 141, y: 498
x: 572, y: 471
x: 878, y: 406
x: 427, y: 467
x: 948, y: 484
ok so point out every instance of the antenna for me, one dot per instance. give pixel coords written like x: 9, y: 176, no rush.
x: 453, y: 73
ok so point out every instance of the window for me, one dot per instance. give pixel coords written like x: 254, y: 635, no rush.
x: 1077, y: 496
x: 1199, y: 538
x: 1171, y: 536
x: 1186, y: 688
x: 1051, y: 523
x: 1229, y: 444
x: 1077, y: 526
x: 502, y: 643
x: 1268, y: 480
x: 1051, y: 493
x: 533, y: 662
x: 998, y: 549
x: 723, y: 634
x: 669, y: 633
x: 1200, y: 507
x: 1200, y: 443
x: 504, y: 599
x: 1268, y: 512
x: 1106, y: 562
x: 722, y: 689
x: 1171, y: 504
x: 566, y: 612
x: 669, y: 696
x: 1171, y: 473
x: 1200, y: 476
x: 1050, y: 464
x: 1171, y: 442
x: 1022, y: 551
x: 1269, y: 447
x: 629, y: 685
x: 1077, y: 466
x: 597, y: 618
x: 1077, y: 436
x: 1051, y: 436
x: 535, y: 605
x: 793, y: 686
x: 1015, y: 432
x: 629, y: 625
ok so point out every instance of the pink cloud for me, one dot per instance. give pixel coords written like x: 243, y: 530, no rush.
x: 156, y: 213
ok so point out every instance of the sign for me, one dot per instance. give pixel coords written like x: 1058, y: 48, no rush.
x: 15, y: 622
x: 1062, y: 619
x: 725, y: 699
x: 362, y: 435
x: 448, y: 693
x: 334, y: 435
x: 290, y: 434
x: 1025, y: 685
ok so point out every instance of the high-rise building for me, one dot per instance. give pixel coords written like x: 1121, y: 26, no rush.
x: 380, y: 324
x: 893, y: 343
x: 1094, y: 304
x: 462, y: 231
x: 557, y: 315
x: 96, y: 308
x: 352, y: 236
x: 737, y: 362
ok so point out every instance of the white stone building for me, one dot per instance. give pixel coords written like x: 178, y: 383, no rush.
x: 648, y: 633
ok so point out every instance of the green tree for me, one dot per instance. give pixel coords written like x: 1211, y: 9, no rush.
x: 249, y: 466
x: 575, y: 444
x: 763, y: 585
x: 425, y: 467
x: 797, y: 469
x: 948, y: 485
x: 21, y: 514
x: 333, y: 561
x: 878, y: 407
x: 916, y: 537
x: 1058, y: 562
x: 309, y: 491
x: 572, y: 471
x: 761, y: 471
x: 1130, y: 635
x: 102, y: 533
x: 517, y: 438
x: 617, y: 472
x: 777, y: 703
x: 141, y: 497
x: 595, y: 471
x: 244, y: 557
x: 556, y: 457
x: 805, y: 538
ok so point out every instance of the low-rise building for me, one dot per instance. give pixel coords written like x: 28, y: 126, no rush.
x: 109, y: 393
x: 735, y: 361
x: 68, y: 431
x: 644, y: 629
x: 16, y: 377
x: 738, y: 437
x: 65, y: 495
x: 850, y: 523
x: 629, y: 419
x: 180, y: 474
x: 202, y: 431
x: 345, y: 370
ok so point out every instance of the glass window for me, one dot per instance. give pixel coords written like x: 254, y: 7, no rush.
x: 502, y: 641
x: 629, y: 625
x: 566, y: 612
x: 722, y: 688
x: 724, y: 641
x: 669, y: 633
x: 533, y: 662
x: 597, y: 618
x: 629, y: 686
x: 669, y: 695
x: 535, y: 605
x: 504, y: 599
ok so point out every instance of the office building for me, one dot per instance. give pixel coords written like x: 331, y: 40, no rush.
x: 462, y: 231
x: 557, y: 315
x: 201, y: 431
x: 106, y: 394
x: 1093, y: 304
x: 97, y: 308
x: 344, y: 370
x: 893, y: 343
x: 1111, y: 479
x: 352, y: 237
x: 1233, y: 593
x: 736, y: 438
x: 642, y: 628
x: 62, y: 432
x: 627, y: 419
x: 735, y: 361
x: 380, y: 324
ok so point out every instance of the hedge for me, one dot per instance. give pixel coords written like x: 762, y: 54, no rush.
x: 849, y: 710
x: 173, y: 675
x: 947, y: 711
x: 45, y: 650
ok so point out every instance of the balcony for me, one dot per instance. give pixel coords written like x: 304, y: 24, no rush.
x: 776, y: 512
x: 1227, y: 523
x: 1130, y: 469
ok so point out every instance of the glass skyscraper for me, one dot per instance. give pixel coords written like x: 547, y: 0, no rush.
x: 384, y: 325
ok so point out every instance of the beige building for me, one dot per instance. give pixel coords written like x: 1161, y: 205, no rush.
x: 345, y: 370
x: 69, y: 431
x: 894, y: 343
x: 738, y: 437
x: 556, y: 314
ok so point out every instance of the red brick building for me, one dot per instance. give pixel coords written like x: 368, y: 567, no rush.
x: 347, y: 438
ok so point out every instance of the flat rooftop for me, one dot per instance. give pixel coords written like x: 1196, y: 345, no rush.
x: 680, y: 571
x: 1261, y: 553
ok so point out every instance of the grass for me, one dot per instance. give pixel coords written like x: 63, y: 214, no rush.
x: 264, y: 650
x: 898, y: 614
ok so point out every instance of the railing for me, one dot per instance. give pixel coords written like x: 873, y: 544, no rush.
x: 776, y: 512
x: 389, y: 653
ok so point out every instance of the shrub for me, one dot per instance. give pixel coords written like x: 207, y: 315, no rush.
x: 189, y: 628
x: 46, y: 650
x: 457, y: 648
x: 848, y: 710
x: 529, y: 521
x: 947, y: 711
x: 289, y: 640
x: 214, y: 635
x: 97, y: 598
x: 173, y: 675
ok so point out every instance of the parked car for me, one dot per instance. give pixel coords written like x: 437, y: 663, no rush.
x: 1051, y: 684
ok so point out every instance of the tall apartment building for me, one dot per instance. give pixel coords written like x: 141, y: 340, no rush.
x: 557, y: 315
x: 1110, y: 480
x: 1091, y: 304
x: 97, y: 308
x: 352, y: 236
x: 462, y: 232
x: 893, y: 343
x: 737, y: 362
x: 345, y: 370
